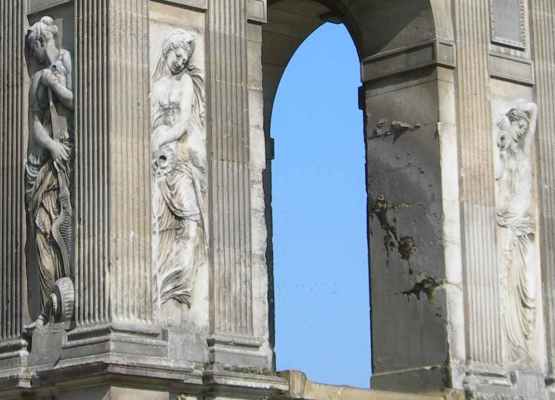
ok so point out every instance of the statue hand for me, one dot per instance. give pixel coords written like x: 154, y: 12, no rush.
x: 59, y: 151
x: 48, y: 78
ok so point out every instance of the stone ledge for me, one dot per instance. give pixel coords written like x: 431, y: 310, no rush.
x: 300, y: 387
x: 408, y: 58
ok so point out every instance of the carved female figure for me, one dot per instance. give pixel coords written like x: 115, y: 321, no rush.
x: 179, y: 163
x: 48, y: 166
x: 514, y: 214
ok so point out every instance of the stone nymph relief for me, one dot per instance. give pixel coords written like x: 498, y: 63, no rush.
x: 48, y: 169
x: 514, y: 176
x: 179, y: 173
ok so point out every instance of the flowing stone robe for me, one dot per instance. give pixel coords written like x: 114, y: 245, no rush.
x: 48, y: 182
x: 179, y: 190
x: 514, y: 216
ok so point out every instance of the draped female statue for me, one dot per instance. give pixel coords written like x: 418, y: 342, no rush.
x: 514, y: 215
x: 48, y: 170
x: 179, y: 167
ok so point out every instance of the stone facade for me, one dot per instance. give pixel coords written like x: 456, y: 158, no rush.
x: 135, y: 189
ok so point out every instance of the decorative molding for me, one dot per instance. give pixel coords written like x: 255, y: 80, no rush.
x: 36, y: 6
x: 408, y: 58
x: 515, y: 69
x: 201, y: 5
x: 257, y: 10
x: 497, y: 36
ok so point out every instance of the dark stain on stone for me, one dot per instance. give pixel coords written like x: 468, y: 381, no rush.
x: 396, y: 129
x: 407, y: 247
x: 427, y: 286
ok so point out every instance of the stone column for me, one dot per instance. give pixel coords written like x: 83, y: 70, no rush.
x: 112, y: 179
x: 231, y: 292
x: 542, y: 14
x: 12, y: 153
x: 481, y: 275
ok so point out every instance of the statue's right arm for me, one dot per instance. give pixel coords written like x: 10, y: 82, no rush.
x: 532, y: 110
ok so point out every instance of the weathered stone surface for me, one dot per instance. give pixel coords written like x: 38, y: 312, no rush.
x: 171, y: 197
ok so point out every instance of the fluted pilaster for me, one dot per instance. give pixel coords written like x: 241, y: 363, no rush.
x: 542, y: 13
x: 12, y: 161
x: 231, y: 289
x: 481, y: 272
x: 113, y: 265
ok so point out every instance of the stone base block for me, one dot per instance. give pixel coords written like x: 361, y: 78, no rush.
x: 239, y: 353
x: 425, y: 379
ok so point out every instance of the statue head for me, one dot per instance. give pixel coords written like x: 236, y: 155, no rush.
x: 512, y: 127
x: 519, y: 120
x: 177, y: 50
x: 39, y: 36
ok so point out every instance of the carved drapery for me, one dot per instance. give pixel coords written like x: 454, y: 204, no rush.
x: 179, y: 171
x: 48, y: 172
x: 514, y: 176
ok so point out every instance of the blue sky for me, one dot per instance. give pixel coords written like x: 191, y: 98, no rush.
x: 319, y: 205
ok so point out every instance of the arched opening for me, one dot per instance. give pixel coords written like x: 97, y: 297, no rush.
x: 406, y: 64
x: 319, y: 213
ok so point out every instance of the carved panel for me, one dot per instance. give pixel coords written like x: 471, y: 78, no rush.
x: 179, y: 163
x: 508, y: 23
x: 517, y: 228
